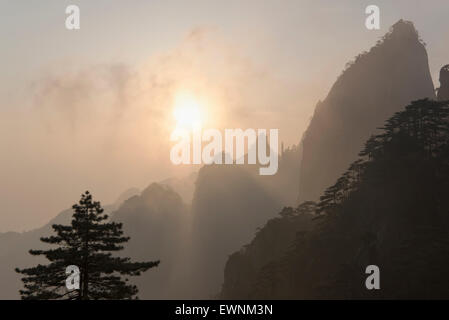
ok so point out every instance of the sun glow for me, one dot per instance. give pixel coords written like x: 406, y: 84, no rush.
x: 187, y: 112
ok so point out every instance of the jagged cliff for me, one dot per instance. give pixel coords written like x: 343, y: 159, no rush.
x: 443, y: 90
x: 374, y: 86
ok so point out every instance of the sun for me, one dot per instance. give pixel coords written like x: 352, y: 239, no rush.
x: 187, y: 112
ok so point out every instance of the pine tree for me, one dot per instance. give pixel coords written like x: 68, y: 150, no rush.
x: 87, y: 243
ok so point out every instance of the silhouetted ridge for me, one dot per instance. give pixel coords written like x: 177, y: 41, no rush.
x: 375, y: 85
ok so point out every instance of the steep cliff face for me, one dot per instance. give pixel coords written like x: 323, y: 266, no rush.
x: 443, y: 90
x: 228, y: 205
x: 374, y: 86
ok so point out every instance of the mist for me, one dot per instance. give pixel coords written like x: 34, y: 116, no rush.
x: 89, y: 110
x: 107, y: 128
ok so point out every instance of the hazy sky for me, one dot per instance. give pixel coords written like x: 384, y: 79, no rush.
x: 92, y: 108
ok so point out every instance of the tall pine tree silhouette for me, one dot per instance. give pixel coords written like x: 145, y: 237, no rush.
x: 87, y: 243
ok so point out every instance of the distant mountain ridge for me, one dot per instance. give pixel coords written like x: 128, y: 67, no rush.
x: 158, y: 207
x: 157, y: 222
x: 14, y: 247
